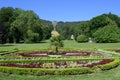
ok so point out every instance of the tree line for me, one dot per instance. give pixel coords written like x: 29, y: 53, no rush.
x: 104, y: 28
x: 17, y: 25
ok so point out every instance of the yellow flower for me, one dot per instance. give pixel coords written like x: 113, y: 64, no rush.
x: 55, y: 33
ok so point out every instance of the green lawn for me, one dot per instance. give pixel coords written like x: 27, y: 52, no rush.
x: 68, y: 44
x: 113, y: 74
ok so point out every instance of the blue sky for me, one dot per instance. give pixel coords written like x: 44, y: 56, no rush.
x: 66, y: 10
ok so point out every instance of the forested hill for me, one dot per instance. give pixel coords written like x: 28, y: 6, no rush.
x: 66, y: 29
x: 17, y: 25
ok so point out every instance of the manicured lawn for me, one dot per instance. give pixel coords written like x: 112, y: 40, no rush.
x: 75, y: 45
x: 113, y: 74
x: 68, y: 45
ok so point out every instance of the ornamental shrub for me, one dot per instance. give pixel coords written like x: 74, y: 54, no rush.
x: 34, y: 71
x: 82, y: 38
x: 111, y: 65
x: 57, y: 42
x: 107, y: 34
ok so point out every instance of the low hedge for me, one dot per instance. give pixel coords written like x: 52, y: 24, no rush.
x: 8, y: 52
x: 110, y: 65
x: 45, y: 60
x: 61, y: 71
x: 38, y: 71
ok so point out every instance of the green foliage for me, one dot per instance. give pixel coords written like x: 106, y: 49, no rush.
x: 83, y: 28
x: 105, y: 75
x: 30, y: 71
x: 114, y: 18
x: 14, y: 27
x: 32, y: 37
x: 5, y: 22
x: 47, y: 29
x: 66, y: 29
x: 48, y: 60
x: 108, y: 34
x: 9, y: 51
x: 29, y: 27
x: 2, y: 34
x: 97, y: 22
x: 111, y: 65
x: 56, y: 41
x: 100, y: 22
x: 82, y: 38
x: 64, y: 71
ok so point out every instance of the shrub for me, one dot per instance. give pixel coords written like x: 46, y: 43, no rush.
x: 32, y: 37
x: 34, y: 71
x: 82, y: 38
x: 107, y: 34
x: 57, y: 42
x: 111, y: 65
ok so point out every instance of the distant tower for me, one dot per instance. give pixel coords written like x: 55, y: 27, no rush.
x: 54, y: 23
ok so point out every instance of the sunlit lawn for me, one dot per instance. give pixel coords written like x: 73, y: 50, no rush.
x: 68, y: 44
x: 113, y: 74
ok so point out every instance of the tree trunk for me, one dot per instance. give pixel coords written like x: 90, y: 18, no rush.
x: 14, y: 41
x: 56, y: 49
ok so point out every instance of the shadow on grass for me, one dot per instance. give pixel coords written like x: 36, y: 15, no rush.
x: 6, y: 45
x: 36, y: 42
x: 43, y: 42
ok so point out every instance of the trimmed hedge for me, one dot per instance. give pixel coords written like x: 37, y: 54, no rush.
x: 61, y: 71
x: 111, y: 65
x: 36, y: 71
x: 8, y: 52
x: 49, y: 60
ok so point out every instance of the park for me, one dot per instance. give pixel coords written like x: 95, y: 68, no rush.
x: 32, y: 48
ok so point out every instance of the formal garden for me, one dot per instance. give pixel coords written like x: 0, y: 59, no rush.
x: 66, y: 62
x: 33, y: 48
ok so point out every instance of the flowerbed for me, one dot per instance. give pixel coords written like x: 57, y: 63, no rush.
x: 68, y: 63
x: 61, y: 71
x: 117, y: 51
x: 35, y: 54
x: 46, y: 54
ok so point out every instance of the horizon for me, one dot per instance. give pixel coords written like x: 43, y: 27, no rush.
x: 66, y: 10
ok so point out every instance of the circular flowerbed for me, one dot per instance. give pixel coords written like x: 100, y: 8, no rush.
x: 66, y: 64
x: 45, y: 54
x: 44, y: 63
x: 117, y: 51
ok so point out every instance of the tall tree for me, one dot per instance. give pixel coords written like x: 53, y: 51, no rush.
x: 99, y: 22
x: 83, y: 28
x: 114, y: 18
x: 5, y: 19
x: 2, y: 34
x: 27, y: 20
x: 56, y: 40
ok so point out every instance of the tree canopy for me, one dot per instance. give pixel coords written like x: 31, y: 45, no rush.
x: 17, y: 25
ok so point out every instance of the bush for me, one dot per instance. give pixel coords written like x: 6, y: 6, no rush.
x: 57, y: 42
x: 111, y: 65
x: 82, y: 38
x: 61, y: 71
x: 107, y: 34
x: 32, y: 37
x: 34, y: 71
